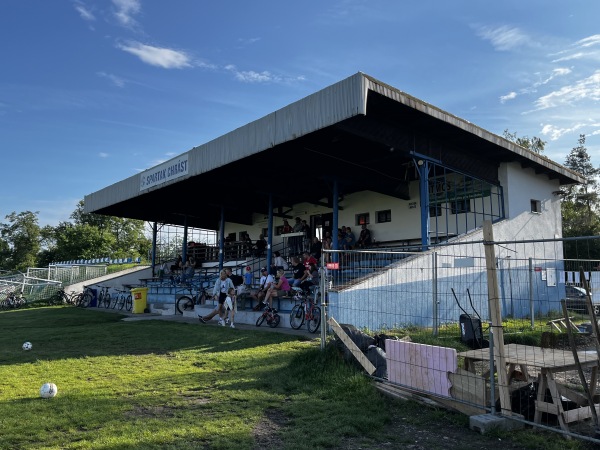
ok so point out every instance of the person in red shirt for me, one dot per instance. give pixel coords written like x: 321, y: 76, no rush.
x: 308, y: 260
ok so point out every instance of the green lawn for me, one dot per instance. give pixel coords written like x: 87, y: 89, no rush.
x: 165, y: 385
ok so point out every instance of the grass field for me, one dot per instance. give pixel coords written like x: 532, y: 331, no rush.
x: 166, y: 385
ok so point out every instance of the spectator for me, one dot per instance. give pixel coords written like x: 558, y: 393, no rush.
x: 177, y: 265
x: 307, y: 236
x: 278, y: 263
x: 260, y: 246
x: 220, y: 290
x: 237, y: 280
x: 364, y: 239
x: 229, y: 306
x: 327, y: 246
x: 297, y: 270
x: 316, y: 248
x: 287, y: 228
x: 311, y: 278
x: 279, y: 289
x: 247, y: 242
x: 189, y: 269
x: 266, y: 280
x: 308, y: 260
x: 295, y: 242
x: 349, y: 240
x: 248, y: 278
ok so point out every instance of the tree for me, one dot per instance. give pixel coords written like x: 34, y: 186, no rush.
x: 580, y: 203
x: 535, y: 144
x: 22, y: 236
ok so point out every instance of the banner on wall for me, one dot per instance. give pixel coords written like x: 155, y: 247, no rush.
x: 168, y: 171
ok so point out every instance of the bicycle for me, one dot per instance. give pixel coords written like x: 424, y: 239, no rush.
x: 188, y: 302
x: 13, y: 300
x: 271, y: 316
x: 104, y: 297
x: 122, y: 300
x: 86, y: 298
x: 305, y: 311
x: 62, y: 298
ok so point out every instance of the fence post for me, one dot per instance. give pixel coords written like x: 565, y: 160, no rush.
x: 324, y: 297
x: 492, y: 371
x: 434, y: 280
x: 531, y: 310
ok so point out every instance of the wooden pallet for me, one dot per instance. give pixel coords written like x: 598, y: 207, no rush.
x: 562, y: 325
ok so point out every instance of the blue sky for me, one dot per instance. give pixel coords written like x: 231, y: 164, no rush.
x: 92, y: 92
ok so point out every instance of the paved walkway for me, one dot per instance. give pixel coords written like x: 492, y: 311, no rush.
x: 213, y: 323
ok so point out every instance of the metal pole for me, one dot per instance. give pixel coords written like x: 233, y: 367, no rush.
x: 492, y: 383
x: 436, y: 302
x: 531, y: 309
x: 323, y: 279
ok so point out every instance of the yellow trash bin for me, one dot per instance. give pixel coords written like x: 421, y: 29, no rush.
x: 139, y: 296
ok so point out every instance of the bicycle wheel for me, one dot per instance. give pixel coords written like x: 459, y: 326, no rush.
x: 100, y: 299
x: 313, y: 323
x: 86, y: 299
x: 76, y: 299
x: 121, y: 301
x: 260, y: 320
x: 128, y: 303
x: 275, y: 321
x: 184, y: 303
x: 107, y: 301
x: 297, y: 317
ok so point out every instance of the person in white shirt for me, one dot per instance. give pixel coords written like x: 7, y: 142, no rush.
x: 266, y: 281
x: 220, y: 291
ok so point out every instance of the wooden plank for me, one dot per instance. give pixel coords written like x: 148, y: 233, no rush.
x: 349, y: 343
x: 496, y: 316
x: 420, y: 366
x: 468, y: 387
x: 577, y: 414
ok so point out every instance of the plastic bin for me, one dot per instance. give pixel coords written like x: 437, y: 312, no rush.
x: 140, y: 298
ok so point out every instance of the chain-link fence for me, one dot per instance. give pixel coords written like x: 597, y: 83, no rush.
x: 426, y: 321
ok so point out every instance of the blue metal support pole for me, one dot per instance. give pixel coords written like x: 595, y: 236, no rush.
x: 154, y: 234
x: 334, y: 227
x: 270, y: 233
x: 222, y: 239
x: 423, y: 167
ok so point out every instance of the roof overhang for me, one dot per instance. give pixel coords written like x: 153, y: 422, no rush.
x: 359, y: 132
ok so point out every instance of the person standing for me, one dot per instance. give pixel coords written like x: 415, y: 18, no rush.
x: 229, y: 307
x: 220, y: 290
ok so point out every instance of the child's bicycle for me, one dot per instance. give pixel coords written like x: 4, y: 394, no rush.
x: 306, y: 310
x: 188, y: 302
x: 271, y: 316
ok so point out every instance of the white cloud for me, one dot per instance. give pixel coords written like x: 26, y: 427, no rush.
x: 103, y: 155
x: 125, y: 10
x: 579, y: 55
x: 509, y: 96
x: 117, y: 81
x: 84, y: 12
x: 157, y: 56
x: 251, y: 76
x: 554, y: 133
x: 589, y: 41
x: 504, y: 38
x: 586, y: 89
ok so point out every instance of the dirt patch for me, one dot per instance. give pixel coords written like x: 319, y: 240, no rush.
x: 266, y: 433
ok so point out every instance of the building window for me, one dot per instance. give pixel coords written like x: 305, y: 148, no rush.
x: 241, y: 235
x: 265, y: 232
x: 362, y: 219
x: 461, y: 206
x: 536, y: 206
x: 384, y: 216
x: 435, y: 210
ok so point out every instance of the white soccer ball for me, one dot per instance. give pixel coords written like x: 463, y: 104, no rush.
x: 27, y: 346
x: 48, y: 390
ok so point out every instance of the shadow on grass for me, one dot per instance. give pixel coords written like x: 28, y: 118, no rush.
x: 68, y: 332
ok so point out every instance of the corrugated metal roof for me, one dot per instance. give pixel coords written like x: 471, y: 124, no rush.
x: 352, y: 124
